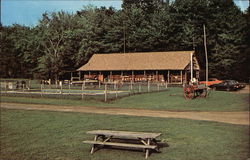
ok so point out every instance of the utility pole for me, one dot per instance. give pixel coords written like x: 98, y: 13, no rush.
x: 205, y: 46
x: 191, y: 67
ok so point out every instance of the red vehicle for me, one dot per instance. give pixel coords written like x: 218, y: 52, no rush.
x: 210, y: 81
x: 194, y: 90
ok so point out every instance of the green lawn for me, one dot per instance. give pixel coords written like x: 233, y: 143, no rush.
x: 29, y: 135
x: 166, y: 100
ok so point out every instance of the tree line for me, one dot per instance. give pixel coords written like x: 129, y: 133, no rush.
x: 62, y: 42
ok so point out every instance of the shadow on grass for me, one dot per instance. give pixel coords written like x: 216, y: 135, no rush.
x: 160, y: 145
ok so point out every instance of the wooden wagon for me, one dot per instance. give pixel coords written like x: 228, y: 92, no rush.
x: 195, y: 90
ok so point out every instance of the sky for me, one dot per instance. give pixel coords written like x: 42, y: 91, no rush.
x: 28, y: 12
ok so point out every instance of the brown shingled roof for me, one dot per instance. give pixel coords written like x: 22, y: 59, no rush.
x: 174, y: 60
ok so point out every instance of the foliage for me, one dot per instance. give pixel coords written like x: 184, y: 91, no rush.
x: 62, y: 42
x: 18, y: 44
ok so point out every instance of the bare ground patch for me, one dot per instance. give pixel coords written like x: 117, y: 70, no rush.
x: 241, y: 118
x: 244, y: 90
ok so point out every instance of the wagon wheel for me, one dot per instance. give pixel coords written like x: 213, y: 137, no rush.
x: 189, y: 92
x: 204, y: 93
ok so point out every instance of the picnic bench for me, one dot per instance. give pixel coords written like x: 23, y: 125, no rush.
x: 137, y: 140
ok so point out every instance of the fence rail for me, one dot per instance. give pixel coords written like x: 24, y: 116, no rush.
x: 98, y: 91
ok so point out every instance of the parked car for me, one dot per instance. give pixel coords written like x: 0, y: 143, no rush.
x: 211, y: 81
x: 228, y: 85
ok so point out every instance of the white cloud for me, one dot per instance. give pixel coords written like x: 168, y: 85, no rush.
x: 243, y: 4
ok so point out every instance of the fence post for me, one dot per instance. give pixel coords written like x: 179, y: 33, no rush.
x: 183, y: 85
x: 69, y: 87
x: 105, y: 93
x: 50, y: 83
x: 166, y: 85
x: 5, y: 87
x: 56, y: 83
x: 61, y: 86
x: 158, y: 86
x: 148, y: 86
x: 116, y: 92
x: 29, y: 85
x: 139, y: 87
x: 82, y: 90
x: 41, y: 90
x: 23, y: 87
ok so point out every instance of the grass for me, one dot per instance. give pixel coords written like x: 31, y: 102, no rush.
x: 55, y: 135
x: 165, y: 100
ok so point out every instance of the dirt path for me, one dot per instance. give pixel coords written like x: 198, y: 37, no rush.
x: 241, y: 118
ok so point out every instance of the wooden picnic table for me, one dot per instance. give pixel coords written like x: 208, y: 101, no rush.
x: 144, y: 140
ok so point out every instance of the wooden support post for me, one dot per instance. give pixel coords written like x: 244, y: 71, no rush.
x: 133, y: 76
x: 168, y: 76
x: 131, y: 85
x: 185, y: 76
x: 99, y: 84
x: 157, y: 77
x: 181, y: 77
x: 158, y: 86
x: 110, y: 75
x: 105, y: 93
x: 145, y: 75
x: 121, y: 77
x: 191, y: 66
x: 71, y: 77
x: 166, y: 85
x: 99, y: 75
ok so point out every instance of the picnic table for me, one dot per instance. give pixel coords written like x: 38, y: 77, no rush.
x: 139, y: 140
